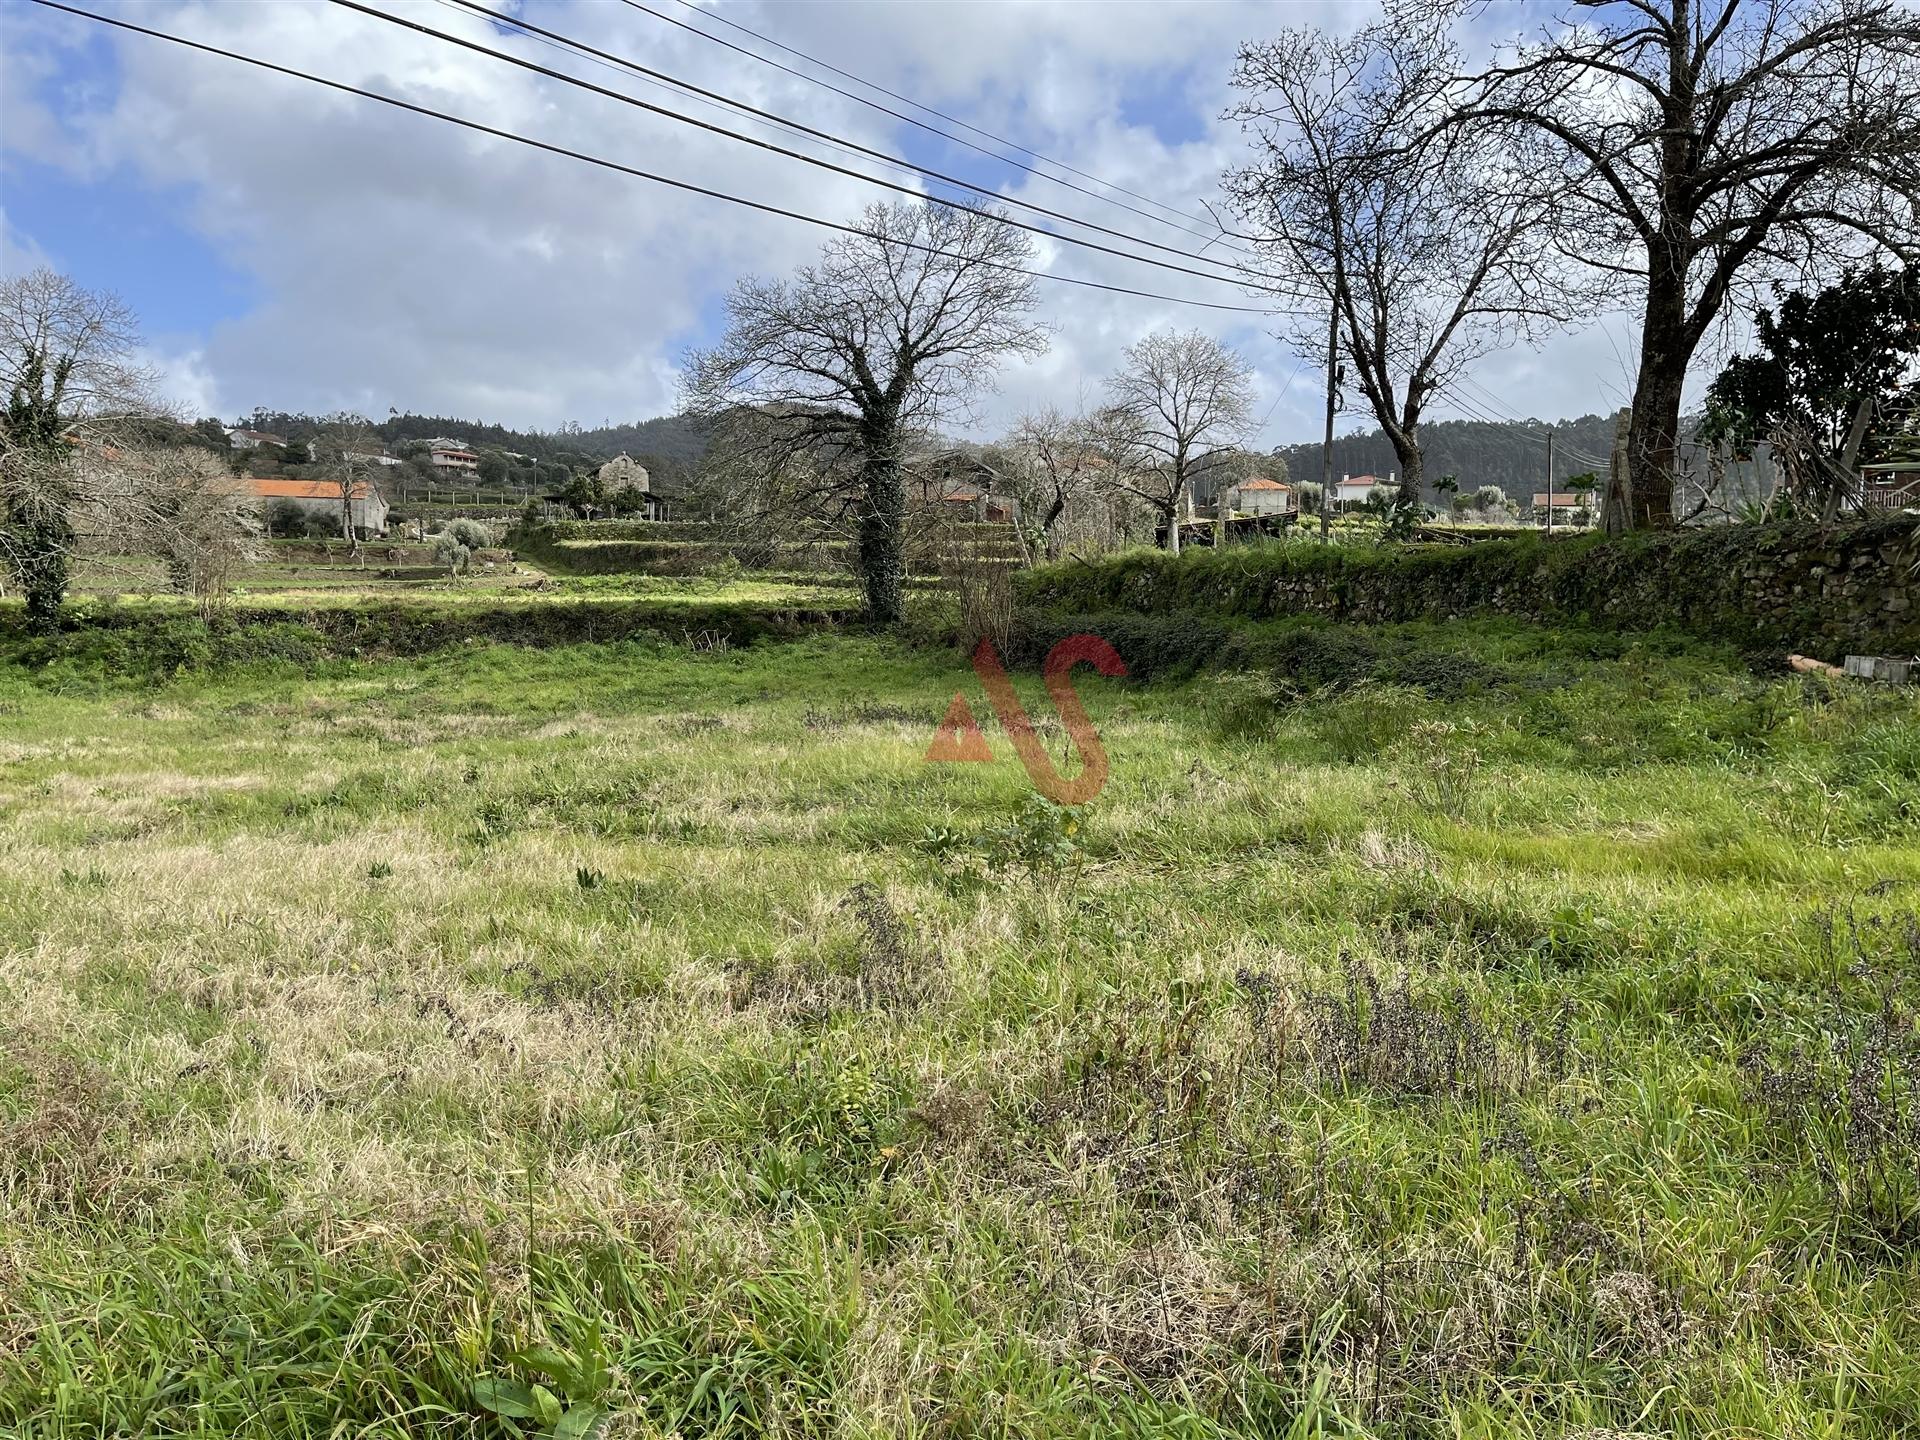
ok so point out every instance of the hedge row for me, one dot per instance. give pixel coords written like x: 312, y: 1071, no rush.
x: 682, y: 549
x: 626, y: 529
x: 1315, y: 653
x: 1851, y: 588
x: 145, y: 643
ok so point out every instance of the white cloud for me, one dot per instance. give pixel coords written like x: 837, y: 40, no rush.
x: 402, y: 262
x: 19, y: 252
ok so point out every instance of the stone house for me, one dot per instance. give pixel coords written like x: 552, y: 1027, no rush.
x: 322, y: 497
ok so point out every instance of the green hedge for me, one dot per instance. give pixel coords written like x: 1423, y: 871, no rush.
x: 142, y: 643
x: 589, y: 547
x: 626, y: 529
x: 1798, y: 587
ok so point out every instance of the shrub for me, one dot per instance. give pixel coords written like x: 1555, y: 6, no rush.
x: 1441, y: 766
x: 453, y: 547
x: 286, y: 520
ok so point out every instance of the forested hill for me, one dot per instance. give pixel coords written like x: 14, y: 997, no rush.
x: 1475, y: 452
x: 671, y: 437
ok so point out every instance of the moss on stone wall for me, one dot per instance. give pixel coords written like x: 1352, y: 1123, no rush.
x: 1850, y: 588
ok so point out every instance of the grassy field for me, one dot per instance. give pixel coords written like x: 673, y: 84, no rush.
x: 509, y: 1042
x: 280, y: 585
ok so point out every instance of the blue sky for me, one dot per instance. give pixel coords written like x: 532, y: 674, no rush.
x: 291, y: 249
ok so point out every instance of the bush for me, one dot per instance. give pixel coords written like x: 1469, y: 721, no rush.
x: 286, y: 520
x: 453, y: 547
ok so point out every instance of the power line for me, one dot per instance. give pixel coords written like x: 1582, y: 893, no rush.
x: 628, y: 170
x: 1486, y: 415
x: 801, y: 156
x: 675, y: 88
x: 1215, y: 234
x: 841, y: 142
x: 1502, y: 415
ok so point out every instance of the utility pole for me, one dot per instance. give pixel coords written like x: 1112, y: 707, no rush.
x: 1549, y: 482
x: 1334, y: 299
x: 1333, y: 402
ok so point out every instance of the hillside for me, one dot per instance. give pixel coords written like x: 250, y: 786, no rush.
x: 669, y: 437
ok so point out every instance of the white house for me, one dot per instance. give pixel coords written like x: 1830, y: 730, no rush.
x: 253, y: 439
x: 1562, y: 503
x: 1356, y: 489
x: 451, y: 455
x: 1260, y: 496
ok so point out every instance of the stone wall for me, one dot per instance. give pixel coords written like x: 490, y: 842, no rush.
x: 1797, y: 587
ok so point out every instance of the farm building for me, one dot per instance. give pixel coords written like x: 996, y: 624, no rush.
x: 1260, y: 496
x: 322, y: 497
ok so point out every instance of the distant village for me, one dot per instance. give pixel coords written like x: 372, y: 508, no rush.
x: 373, y: 483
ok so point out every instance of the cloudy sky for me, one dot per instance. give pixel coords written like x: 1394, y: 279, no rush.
x: 296, y: 248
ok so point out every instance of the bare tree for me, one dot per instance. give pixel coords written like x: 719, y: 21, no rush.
x: 74, y: 351
x: 1062, y: 468
x: 69, y: 360
x: 185, y: 505
x: 1703, y: 147
x: 896, y: 328
x: 1427, y: 261
x: 1186, y: 403
x: 343, y: 445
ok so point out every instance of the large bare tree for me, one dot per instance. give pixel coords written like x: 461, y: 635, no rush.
x: 1186, y: 403
x: 1704, y: 147
x: 69, y: 361
x: 1062, y: 470
x: 895, y: 329
x: 1424, y: 261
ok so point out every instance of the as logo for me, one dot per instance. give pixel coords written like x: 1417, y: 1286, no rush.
x: 959, y: 741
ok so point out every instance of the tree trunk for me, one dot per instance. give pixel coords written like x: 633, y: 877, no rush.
x: 1654, y: 442
x: 882, y: 521
x: 1050, y: 543
x: 1413, y: 466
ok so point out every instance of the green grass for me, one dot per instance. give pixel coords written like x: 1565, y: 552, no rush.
x: 653, y: 1026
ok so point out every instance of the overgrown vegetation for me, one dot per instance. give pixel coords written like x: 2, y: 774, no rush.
x: 1430, y: 1031
x: 1779, y: 585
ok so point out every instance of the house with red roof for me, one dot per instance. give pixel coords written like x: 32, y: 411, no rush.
x: 1260, y: 495
x: 1356, y: 489
x: 322, y: 497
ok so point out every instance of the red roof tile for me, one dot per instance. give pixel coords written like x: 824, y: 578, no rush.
x: 277, y: 487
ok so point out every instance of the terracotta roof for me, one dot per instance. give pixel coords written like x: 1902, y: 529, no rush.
x: 1260, y: 482
x: 276, y: 487
x: 1560, y: 501
x: 961, y: 495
